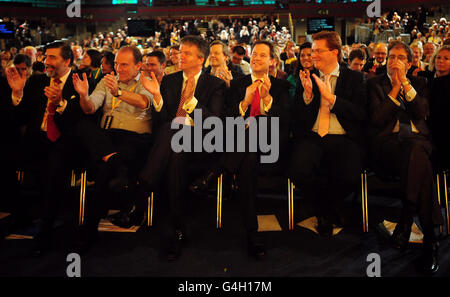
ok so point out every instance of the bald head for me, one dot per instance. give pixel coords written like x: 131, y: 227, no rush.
x: 380, y: 52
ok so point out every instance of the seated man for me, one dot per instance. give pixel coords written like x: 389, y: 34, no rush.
x: 263, y: 98
x: 220, y: 64
x: 377, y: 66
x: 356, y: 59
x: 126, y: 135
x: 154, y: 62
x: 180, y: 95
x: 328, y: 114
x: 401, y: 145
x: 48, y: 105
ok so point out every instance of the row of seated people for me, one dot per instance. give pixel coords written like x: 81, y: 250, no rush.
x: 335, y: 116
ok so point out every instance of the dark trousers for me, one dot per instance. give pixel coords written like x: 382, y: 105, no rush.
x: 248, y: 166
x: 132, y: 149
x: 51, y: 163
x: 326, y: 169
x: 409, y: 158
x: 174, y: 171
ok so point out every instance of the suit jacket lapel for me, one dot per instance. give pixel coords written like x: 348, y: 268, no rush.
x: 200, y: 88
x: 386, y: 84
x: 339, y: 89
x: 178, y: 88
x: 68, y: 88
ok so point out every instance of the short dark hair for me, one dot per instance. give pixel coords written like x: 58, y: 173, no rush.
x: 333, y: 39
x: 109, y: 56
x: 401, y: 44
x: 357, y: 53
x: 199, y: 42
x: 22, y: 58
x: 269, y: 44
x: 238, y: 50
x: 137, y: 55
x: 305, y: 45
x: 96, y: 57
x: 66, y: 50
x: 159, y: 55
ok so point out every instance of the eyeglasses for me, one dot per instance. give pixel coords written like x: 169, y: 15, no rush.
x: 319, y: 51
x: 401, y: 57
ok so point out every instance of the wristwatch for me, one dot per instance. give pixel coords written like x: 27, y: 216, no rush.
x: 119, y: 93
x: 404, y: 84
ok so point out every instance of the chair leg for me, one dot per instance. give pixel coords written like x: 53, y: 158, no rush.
x: 82, y: 197
x: 438, y: 189
x: 20, y: 176
x: 291, y: 204
x: 446, y: 202
x: 365, y: 217
x: 150, y: 211
x: 73, y: 179
x: 219, y: 202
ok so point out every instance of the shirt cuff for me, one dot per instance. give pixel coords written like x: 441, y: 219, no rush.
x: 61, y: 107
x: 190, y: 106
x: 159, y: 106
x: 411, y: 94
x: 15, y: 100
x: 307, y: 101
x: 394, y: 100
x: 242, y: 111
x: 269, y: 106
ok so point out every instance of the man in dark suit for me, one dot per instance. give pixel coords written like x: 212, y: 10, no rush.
x: 179, y: 95
x: 377, y: 65
x: 49, y: 107
x: 220, y: 64
x: 401, y: 145
x: 265, y: 97
x: 328, y: 115
x: 221, y: 67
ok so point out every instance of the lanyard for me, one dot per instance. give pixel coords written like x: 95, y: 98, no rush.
x: 98, y: 72
x: 114, y: 104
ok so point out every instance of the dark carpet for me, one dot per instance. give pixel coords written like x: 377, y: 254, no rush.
x: 220, y: 253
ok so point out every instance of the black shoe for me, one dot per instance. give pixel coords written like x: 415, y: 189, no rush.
x: 256, y: 250
x: 126, y: 219
x: 204, y: 183
x: 324, y: 227
x: 429, y: 260
x: 175, y: 245
x: 400, y: 237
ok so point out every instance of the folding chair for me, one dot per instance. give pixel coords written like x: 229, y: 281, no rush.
x: 438, y: 178
x: 83, y: 199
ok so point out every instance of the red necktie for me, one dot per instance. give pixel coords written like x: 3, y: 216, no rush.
x: 255, y: 109
x: 52, y: 131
